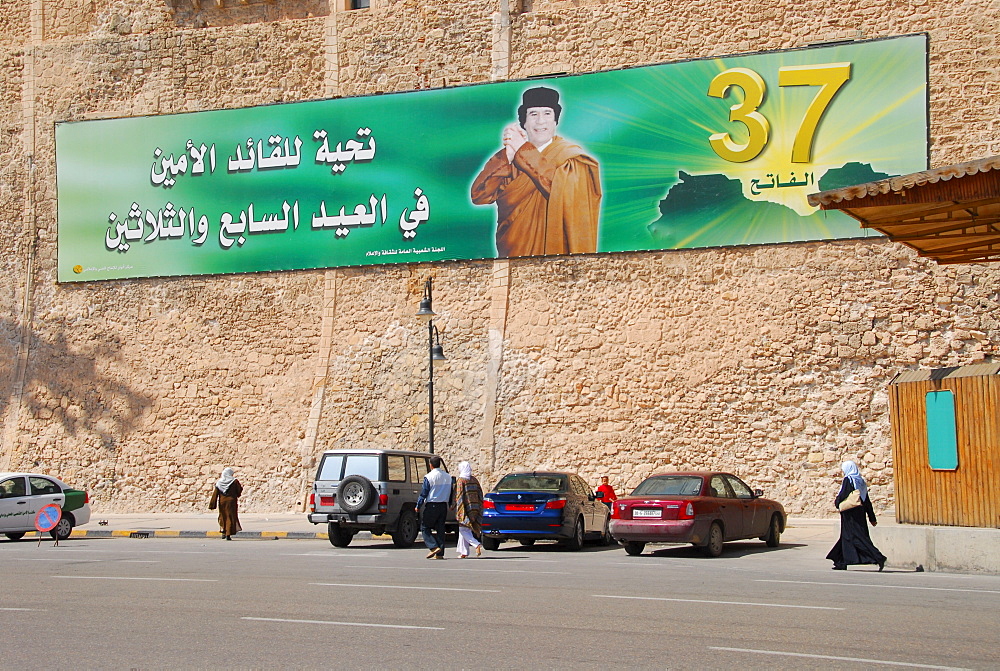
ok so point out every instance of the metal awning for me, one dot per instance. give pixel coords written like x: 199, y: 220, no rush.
x: 925, y: 374
x: 949, y: 214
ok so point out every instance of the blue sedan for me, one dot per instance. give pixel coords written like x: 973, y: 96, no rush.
x: 528, y: 507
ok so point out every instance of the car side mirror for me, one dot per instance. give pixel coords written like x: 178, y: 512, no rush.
x: 599, y: 495
x: 757, y: 493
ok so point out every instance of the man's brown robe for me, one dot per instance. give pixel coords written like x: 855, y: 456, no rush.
x: 228, y: 504
x: 547, y: 202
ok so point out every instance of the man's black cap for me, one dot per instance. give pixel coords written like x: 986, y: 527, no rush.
x: 539, y: 96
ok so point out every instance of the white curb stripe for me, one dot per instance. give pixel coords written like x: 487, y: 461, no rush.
x: 341, y: 624
x: 438, y: 589
x: 111, y: 577
x: 724, y: 603
x: 861, y: 660
x: 871, y: 585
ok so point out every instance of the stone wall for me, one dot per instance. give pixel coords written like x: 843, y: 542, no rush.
x: 771, y: 360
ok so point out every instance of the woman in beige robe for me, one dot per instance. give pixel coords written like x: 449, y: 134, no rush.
x: 226, y: 496
x: 468, y: 511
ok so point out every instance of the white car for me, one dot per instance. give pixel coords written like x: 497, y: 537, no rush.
x: 22, y: 495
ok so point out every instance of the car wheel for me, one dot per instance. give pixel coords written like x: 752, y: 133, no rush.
x: 355, y: 494
x: 339, y: 538
x: 576, y: 542
x: 606, y: 538
x: 491, y: 544
x: 16, y: 535
x: 406, y: 530
x: 774, y: 533
x: 527, y: 542
x: 634, y: 548
x: 713, y: 548
x: 63, y: 528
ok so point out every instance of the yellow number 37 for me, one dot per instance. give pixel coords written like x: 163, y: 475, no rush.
x: 829, y: 77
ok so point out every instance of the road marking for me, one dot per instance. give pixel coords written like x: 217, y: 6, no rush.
x: 681, y: 563
x: 438, y: 589
x: 867, y: 585
x: 111, y: 577
x: 179, y: 552
x: 141, y: 552
x: 341, y: 624
x: 447, y: 568
x: 725, y: 603
x: 642, y: 564
x: 339, y: 554
x: 860, y: 660
x: 88, y: 561
x: 35, y: 609
x: 79, y: 561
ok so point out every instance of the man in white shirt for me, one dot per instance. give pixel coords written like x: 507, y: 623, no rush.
x: 435, y: 495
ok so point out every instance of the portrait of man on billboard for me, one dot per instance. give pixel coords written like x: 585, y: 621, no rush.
x: 546, y: 189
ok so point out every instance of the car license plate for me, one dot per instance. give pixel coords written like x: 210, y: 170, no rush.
x: 520, y: 506
x: 647, y: 512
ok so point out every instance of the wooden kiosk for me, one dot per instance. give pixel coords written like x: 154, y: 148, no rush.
x: 945, y: 426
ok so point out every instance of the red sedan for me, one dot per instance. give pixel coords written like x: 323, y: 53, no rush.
x: 705, y: 509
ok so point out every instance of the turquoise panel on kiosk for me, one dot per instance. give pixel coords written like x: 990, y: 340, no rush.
x: 942, y: 439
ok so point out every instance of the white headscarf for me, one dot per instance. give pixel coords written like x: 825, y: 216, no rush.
x: 851, y: 471
x: 465, y: 470
x: 227, y: 479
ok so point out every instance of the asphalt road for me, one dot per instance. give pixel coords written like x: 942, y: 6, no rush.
x: 207, y: 603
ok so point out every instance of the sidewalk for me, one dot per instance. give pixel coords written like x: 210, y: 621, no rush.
x: 199, y: 525
x: 296, y: 526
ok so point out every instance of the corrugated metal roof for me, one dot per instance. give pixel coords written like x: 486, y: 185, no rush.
x: 926, y: 374
x: 949, y: 214
x: 904, y: 182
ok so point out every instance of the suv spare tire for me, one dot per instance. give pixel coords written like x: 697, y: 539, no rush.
x: 355, y: 494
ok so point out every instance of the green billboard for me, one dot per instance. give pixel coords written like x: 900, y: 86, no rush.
x: 700, y: 153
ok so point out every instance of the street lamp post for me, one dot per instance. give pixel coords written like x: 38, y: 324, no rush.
x: 434, y: 353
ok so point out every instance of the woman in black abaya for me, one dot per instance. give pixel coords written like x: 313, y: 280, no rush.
x: 855, y: 545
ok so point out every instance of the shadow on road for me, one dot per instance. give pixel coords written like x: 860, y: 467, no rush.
x: 734, y: 549
x: 543, y: 547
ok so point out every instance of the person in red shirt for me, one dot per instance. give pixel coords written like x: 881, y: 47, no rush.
x: 609, y: 492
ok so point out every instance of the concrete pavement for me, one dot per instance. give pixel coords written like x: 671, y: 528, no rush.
x: 295, y: 525
x: 908, y: 546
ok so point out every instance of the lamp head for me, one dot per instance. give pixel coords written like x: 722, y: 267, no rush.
x: 426, y: 312
x: 437, y: 352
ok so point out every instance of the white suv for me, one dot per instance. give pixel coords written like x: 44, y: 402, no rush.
x: 370, y: 490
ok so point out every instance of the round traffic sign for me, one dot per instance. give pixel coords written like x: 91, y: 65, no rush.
x: 48, y: 517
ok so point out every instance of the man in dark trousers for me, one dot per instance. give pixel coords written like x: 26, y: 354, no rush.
x: 434, y: 497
